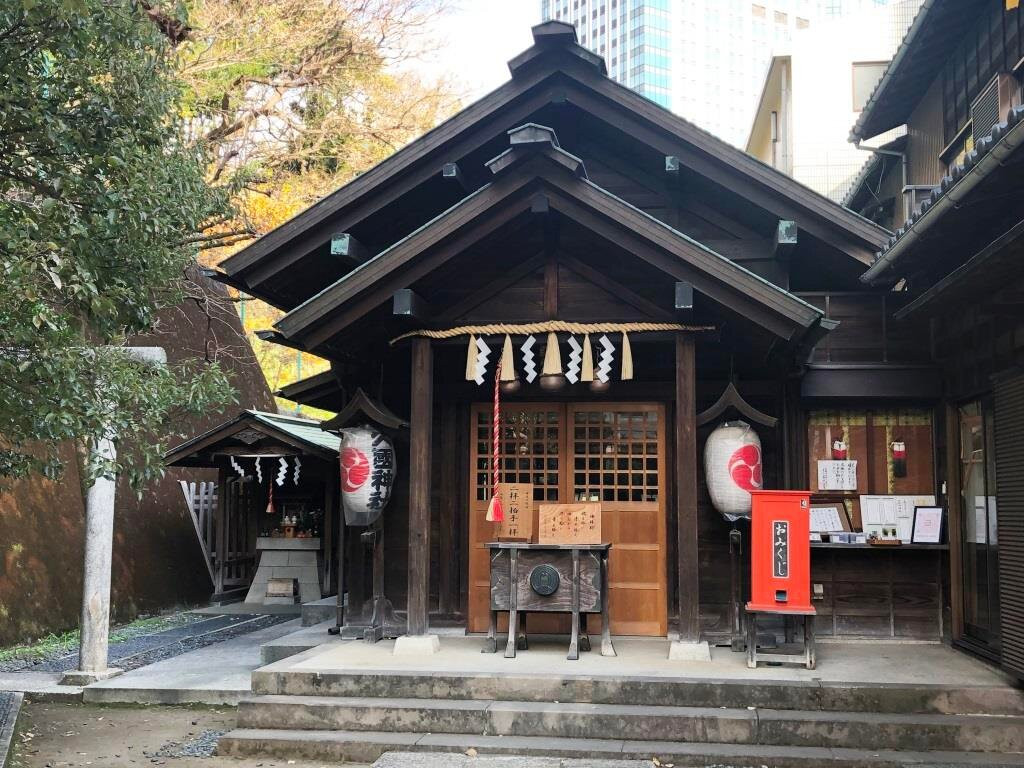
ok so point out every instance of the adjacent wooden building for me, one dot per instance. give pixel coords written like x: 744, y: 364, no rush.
x: 563, y: 202
x: 953, y: 193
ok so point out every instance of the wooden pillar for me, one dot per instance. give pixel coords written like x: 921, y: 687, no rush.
x: 420, y: 424
x: 447, y: 584
x: 686, y: 490
x: 954, y: 519
x: 223, y: 488
x: 327, y: 531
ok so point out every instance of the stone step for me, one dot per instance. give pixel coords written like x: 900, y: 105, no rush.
x: 970, y: 733
x: 367, y: 746
x: 813, y: 695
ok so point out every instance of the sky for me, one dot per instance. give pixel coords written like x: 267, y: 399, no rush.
x: 479, y: 37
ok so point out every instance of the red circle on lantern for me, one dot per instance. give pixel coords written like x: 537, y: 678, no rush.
x: 745, y: 467
x: 355, y: 469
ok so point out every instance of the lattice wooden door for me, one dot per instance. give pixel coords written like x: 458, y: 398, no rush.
x: 614, y: 453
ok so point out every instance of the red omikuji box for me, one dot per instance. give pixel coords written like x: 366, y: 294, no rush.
x: 780, y: 552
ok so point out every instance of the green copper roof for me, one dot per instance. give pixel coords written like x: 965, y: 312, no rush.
x: 305, y: 430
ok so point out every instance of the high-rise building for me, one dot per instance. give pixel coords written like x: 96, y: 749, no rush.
x: 703, y: 59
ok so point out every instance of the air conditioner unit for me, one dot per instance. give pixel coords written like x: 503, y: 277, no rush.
x: 992, y: 104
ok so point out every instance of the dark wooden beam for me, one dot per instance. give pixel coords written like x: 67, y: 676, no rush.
x: 551, y: 287
x: 407, y: 303
x: 686, y: 491
x: 421, y: 424
x: 684, y: 296
x: 478, y: 297
x: 617, y: 289
x: 785, y: 239
x: 451, y: 173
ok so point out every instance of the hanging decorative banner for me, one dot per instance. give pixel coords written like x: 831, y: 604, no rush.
x: 627, y: 358
x: 297, y: 468
x: 495, y: 514
x: 483, y: 352
x: 899, y: 458
x: 529, y: 364
x: 507, y: 366
x: 471, y: 359
x: 732, y: 468
x: 282, y: 470
x: 259, y: 471
x: 588, y: 359
x: 605, y: 359
x: 367, y: 462
x: 236, y: 466
x: 572, y: 370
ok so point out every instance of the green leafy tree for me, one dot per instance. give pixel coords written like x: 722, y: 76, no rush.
x: 102, y: 211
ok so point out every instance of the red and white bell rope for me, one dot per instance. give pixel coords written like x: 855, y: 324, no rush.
x: 495, y: 514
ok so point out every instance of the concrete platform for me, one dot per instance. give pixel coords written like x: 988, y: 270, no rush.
x: 40, y: 686
x: 218, y: 674
x: 875, y: 663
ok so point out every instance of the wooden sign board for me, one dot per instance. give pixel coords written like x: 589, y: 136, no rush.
x: 517, y: 504
x: 570, y: 524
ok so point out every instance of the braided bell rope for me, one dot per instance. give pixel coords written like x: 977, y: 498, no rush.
x: 548, y: 326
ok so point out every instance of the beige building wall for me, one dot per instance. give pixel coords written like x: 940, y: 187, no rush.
x: 819, y: 89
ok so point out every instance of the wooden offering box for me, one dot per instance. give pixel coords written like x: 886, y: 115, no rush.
x: 545, y: 578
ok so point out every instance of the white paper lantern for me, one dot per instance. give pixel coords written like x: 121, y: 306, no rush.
x: 732, y: 467
x: 368, y: 469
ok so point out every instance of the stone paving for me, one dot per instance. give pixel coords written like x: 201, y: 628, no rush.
x: 448, y: 760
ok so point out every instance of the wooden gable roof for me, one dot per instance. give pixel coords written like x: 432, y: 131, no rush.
x: 253, y: 431
x: 536, y: 171
x: 555, y: 73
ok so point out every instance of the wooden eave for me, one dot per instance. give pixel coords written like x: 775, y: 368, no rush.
x: 310, y: 389
x: 996, y: 264
x: 188, y: 453
x: 552, y: 78
x: 317, y: 320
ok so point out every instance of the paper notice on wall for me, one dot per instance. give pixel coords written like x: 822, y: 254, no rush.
x: 882, y: 513
x: 825, y: 519
x: 837, y: 475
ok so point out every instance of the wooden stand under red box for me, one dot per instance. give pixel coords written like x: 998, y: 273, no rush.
x: 780, y: 552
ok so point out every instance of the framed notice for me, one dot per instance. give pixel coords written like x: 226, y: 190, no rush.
x: 570, y: 524
x: 927, y: 525
x: 837, y: 475
x: 517, y: 504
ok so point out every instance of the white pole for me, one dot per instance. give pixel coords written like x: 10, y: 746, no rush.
x: 99, y: 543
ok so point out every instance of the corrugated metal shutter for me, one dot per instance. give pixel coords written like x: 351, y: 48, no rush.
x: 1009, y: 438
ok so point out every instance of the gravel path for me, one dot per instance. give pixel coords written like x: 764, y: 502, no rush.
x: 146, y: 648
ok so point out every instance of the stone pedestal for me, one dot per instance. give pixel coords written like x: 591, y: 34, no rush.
x: 282, y: 558
x: 680, y: 651
x: 416, y: 645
